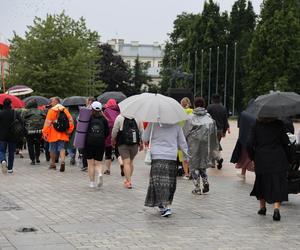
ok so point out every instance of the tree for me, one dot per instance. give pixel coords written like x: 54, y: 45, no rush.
x: 114, y: 72
x: 273, y: 60
x: 139, y: 76
x: 241, y: 29
x: 56, y: 57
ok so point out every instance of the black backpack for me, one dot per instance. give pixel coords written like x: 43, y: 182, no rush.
x: 62, y: 123
x: 96, y: 133
x: 130, y: 134
x: 16, y: 128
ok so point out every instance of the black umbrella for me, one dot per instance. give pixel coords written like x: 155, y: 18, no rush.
x: 277, y: 104
x: 74, y: 101
x: 39, y: 99
x: 118, y: 96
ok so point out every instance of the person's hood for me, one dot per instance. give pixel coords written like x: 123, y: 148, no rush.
x: 113, y: 107
x: 32, y: 104
x: 200, y: 111
x: 58, y: 107
x: 110, y: 103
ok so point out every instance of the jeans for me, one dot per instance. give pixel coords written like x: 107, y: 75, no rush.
x: 196, y: 174
x: 11, y: 153
x: 34, y: 146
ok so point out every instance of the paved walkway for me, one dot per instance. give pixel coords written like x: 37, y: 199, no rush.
x: 69, y: 215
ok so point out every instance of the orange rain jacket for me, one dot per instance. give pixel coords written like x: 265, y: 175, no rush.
x: 50, y: 134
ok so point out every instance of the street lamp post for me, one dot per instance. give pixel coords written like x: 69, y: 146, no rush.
x: 195, y: 75
x: 209, y: 76
x: 225, y: 77
x: 217, y: 76
x: 234, y: 79
x: 202, y: 58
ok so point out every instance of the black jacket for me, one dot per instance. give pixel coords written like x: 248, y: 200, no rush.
x: 6, y: 119
x: 268, y: 147
x: 219, y: 113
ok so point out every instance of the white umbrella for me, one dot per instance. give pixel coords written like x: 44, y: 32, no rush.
x: 153, y: 108
x: 19, y: 90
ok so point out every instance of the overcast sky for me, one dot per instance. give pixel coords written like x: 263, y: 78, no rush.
x: 133, y: 20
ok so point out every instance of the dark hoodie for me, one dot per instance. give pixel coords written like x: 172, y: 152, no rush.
x: 7, y: 116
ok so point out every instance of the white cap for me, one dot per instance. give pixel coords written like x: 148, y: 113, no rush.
x: 97, y: 106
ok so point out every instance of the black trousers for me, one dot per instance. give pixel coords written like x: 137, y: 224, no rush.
x: 34, y: 146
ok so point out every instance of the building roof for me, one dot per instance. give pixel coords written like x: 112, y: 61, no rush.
x: 141, y: 50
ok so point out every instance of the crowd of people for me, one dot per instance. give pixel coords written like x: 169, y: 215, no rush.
x: 195, y: 144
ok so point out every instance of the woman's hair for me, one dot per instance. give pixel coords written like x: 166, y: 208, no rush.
x: 7, y: 103
x: 96, y: 113
x: 185, y: 102
x: 199, y: 102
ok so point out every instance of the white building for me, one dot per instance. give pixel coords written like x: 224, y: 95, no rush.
x: 148, y: 53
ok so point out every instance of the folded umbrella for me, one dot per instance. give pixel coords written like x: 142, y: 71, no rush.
x: 153, y: 108
x: 277, y: 104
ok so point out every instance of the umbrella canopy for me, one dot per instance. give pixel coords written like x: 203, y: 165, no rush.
x: 153, y: 108
x: 118, y: 96
x: 277, y: 104
x: 39, y: 99
x: 15, y: 101
x: 74, y: 101
x: 19, y: 90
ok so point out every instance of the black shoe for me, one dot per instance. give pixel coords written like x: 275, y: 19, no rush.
x: 107, y: 172
x: 276, y: 215
x: 38, y: 161
x: 72, y: 161
x: 62, y: 167
x: 32, y: 163
x: 220, y: 162
x: 262, y: 211
x: 84, y: 169
x: 205, y: 188
x: 122, y: 170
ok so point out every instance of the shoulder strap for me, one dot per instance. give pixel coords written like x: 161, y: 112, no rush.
x: 150, y: 139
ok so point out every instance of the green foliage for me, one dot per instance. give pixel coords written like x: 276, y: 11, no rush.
x: 273, y: 61
x: 114, y: 72
x: 210, y: 29
x: 139, y: 76
x: 56, y: 57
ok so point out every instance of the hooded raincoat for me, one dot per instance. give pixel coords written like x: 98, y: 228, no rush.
x: 201, y: 133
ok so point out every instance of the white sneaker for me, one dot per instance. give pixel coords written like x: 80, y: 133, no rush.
x: 100, y: 181
x: 4, y: 167
x: 92, y: 184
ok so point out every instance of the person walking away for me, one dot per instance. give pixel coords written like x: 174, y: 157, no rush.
x: 111, y: 112
x: 34, y: 120
x: 126, y: 133
x: 11, y: 128
x: 57, y: 128
x: 84, y: 167
x: 240, y: 155
x: 201, y: 133
x: 219, y: 113
x: 268, y: 147
x: 186, y: 104
x: 98, y: 131
x: 74, y: 111
x: 166, y: 139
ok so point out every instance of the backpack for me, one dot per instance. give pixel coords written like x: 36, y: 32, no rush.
x: 130, y: 134
x: 62, y: 123
x: 34, y: 121
x: 96, y: 132
x: 16, y: 128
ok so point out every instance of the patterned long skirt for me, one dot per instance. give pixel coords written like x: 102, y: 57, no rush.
x: 162, y: 184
